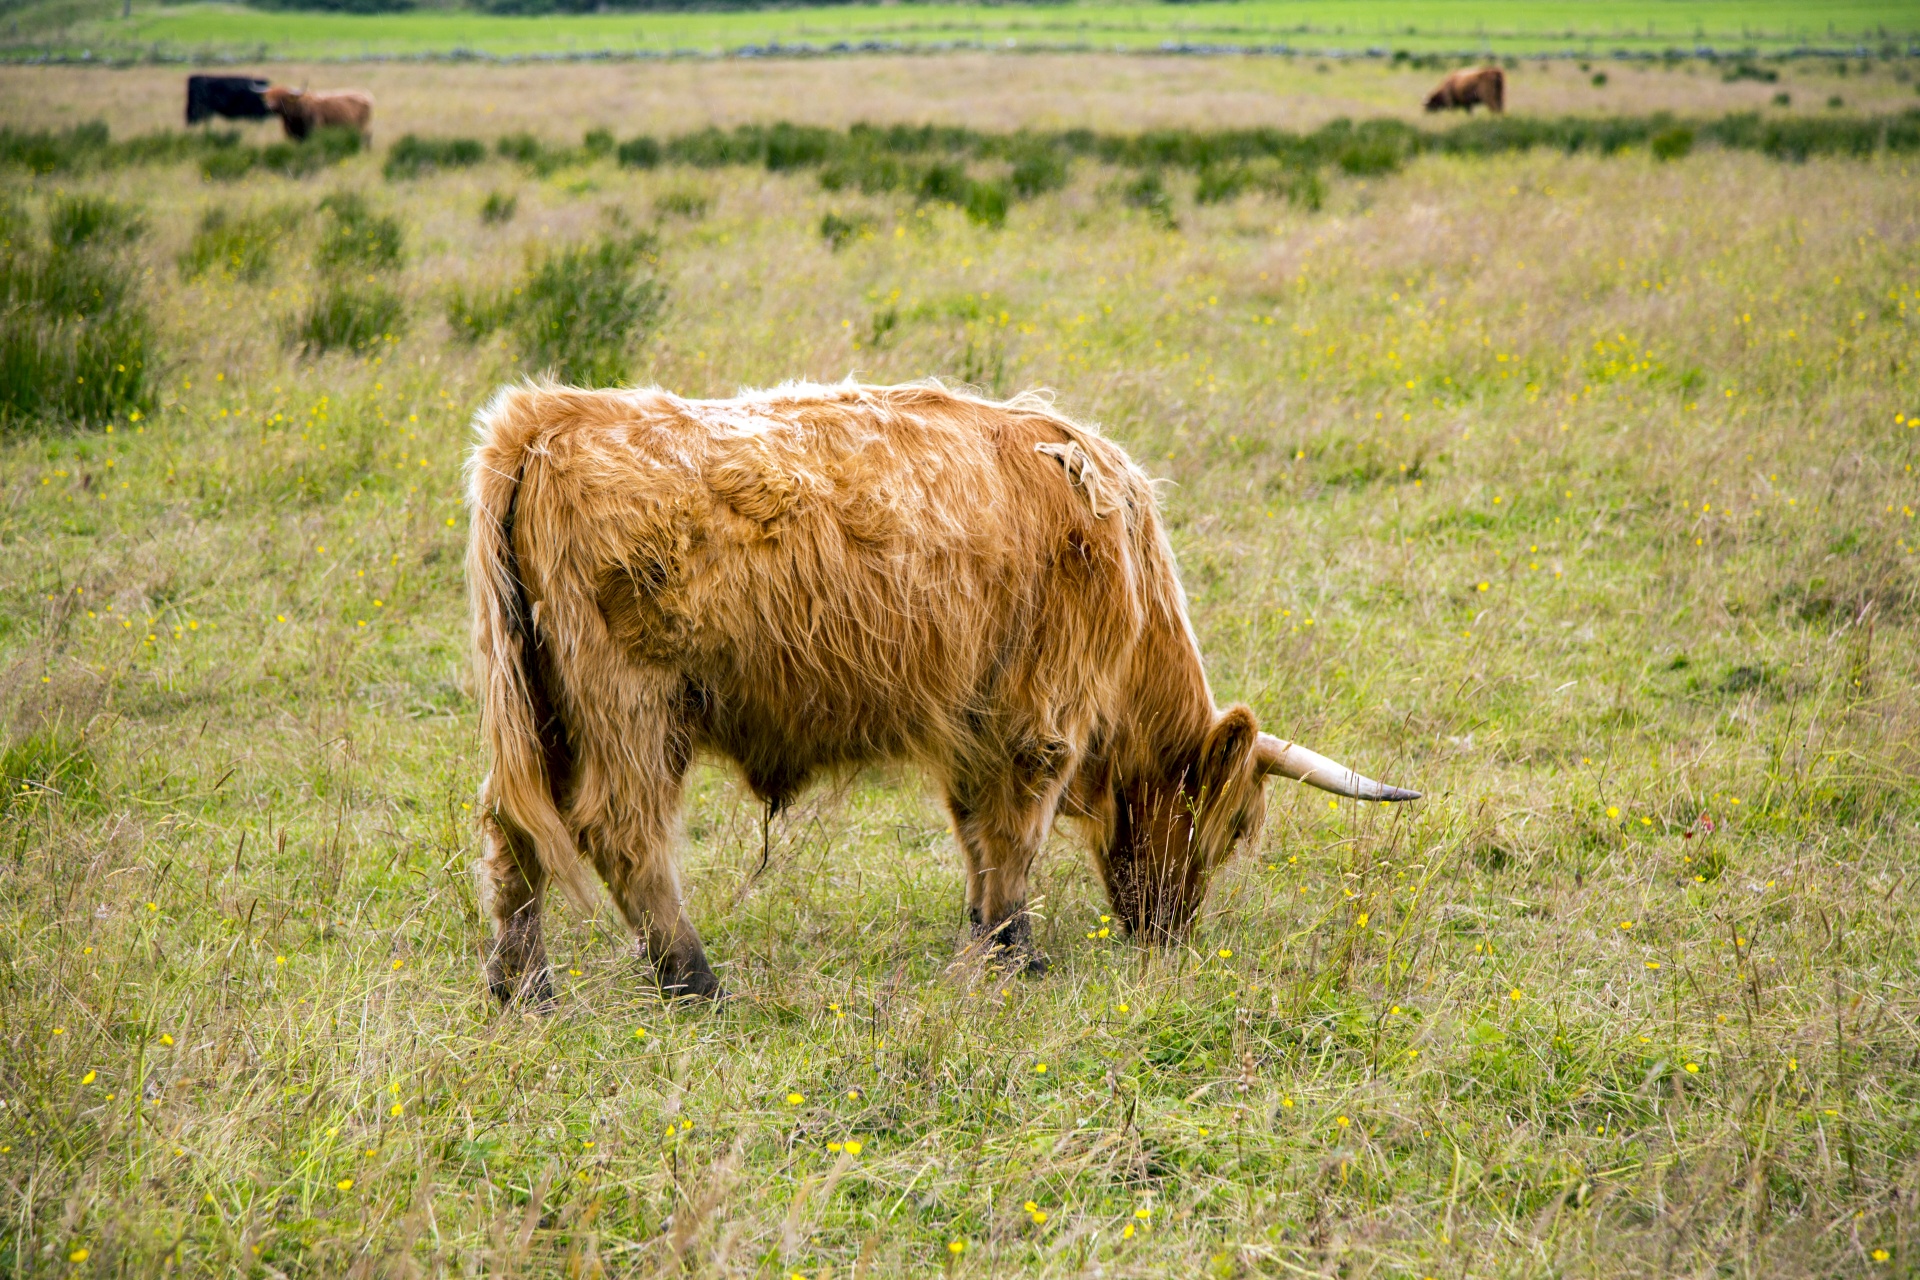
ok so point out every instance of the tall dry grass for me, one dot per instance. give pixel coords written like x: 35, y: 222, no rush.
x: 1577, y: 492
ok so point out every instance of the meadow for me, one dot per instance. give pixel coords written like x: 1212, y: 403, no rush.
x: 1572, y: 487
x: 519, y: 28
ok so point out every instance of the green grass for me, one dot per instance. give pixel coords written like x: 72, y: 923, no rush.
x: 578, y: 312
x: 1495, y: 26
x: 1576, y: 490
x: 76, y: 343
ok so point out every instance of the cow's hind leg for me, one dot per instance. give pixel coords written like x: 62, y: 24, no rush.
x: 511, y: 881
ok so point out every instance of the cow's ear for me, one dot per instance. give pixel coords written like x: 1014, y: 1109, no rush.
x: 1226, y: 758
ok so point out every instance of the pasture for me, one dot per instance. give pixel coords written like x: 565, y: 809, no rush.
x: 1573, y: 488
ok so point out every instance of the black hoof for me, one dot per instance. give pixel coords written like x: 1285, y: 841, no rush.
x: 533, y: 992
x: 691, y: 982
x: 1022, y: 961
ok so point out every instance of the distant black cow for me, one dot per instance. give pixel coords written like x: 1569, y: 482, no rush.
x: 236, y: 97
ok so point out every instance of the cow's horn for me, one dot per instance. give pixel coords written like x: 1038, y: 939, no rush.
x: 1291, y: 760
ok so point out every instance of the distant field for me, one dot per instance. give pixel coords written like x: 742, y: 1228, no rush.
x: 1113, y: 92
x: 1490, y: 26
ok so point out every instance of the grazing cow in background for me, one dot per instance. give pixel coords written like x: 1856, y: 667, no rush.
x: 301, y: 111
x: 809, y: 579
x: 1486, y: 87
x: 235, y: 97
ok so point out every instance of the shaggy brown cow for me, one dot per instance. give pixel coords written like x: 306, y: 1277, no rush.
x: 810, y: 578
x: 1486, y: 87
x: 301, y: 112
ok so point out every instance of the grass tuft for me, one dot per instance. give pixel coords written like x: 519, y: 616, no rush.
x: 76, y: 344
x: 499, y: 207
x: 238, y: 246
x: 353, y: 315
x: 321, y: 149
x: 356, y: 238
x: 412, y: 156
x: 578, y: 313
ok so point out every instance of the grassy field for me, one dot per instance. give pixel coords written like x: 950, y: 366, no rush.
x: 1043, y: 91
x: 1353, y: 26
x: 1576, y: 491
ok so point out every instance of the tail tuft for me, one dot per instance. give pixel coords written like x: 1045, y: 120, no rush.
x: 524, y: 735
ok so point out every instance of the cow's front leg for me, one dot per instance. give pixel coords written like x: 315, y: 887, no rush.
x: 511, y: 881
x: 650, y: 898
x: 998, y: 842
x: 631, y: 838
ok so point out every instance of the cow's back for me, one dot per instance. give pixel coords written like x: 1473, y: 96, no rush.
x: 839, y: 574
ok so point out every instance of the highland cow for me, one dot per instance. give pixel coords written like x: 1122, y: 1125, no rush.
x: 1466, y: 90
x: 301, y: 111
x: 809, y: 579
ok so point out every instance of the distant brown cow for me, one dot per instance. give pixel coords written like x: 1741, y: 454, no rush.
x: 810, y: 579
x: 1486, y: 87
x: 301, y: 112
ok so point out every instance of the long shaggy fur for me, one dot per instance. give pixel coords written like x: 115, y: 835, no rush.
x: 302, y: 111
x: 1466, y: 90
x: 814, y: 577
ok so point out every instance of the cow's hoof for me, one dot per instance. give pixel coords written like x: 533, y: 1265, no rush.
x: 691, y: 983
x: 532, y: 993
x: 1022, y: 961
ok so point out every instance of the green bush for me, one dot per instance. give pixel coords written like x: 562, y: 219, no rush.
x: 499, y: 207
x: 229, y: 165
x: 76, y: 345
x: 1037, y: 169
x: 944, y: 181
x: 1305, y: 188
x: 45, y: 151
x: 77, y: 220
x: 577, y: 313
x: 682, y: 203
x: 413, y: 156
x: 1671, y: 144
x: 473, y: 314
x: 840, y: 230
x: 321, y: 149
x: 89, y: 146
x: 986, y: 204
x: 1148, y: 192
x: 356, y: 238
x: 239, y: 247
x: 1217, y: 186
x: 532, y: 154
x: 355, y: 315
x: 1369, y: 157
x: 642, y: 152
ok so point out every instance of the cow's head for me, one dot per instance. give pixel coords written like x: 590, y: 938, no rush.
x: 277, y: 96
x: 1438, y: 100
x: 1163, y: 835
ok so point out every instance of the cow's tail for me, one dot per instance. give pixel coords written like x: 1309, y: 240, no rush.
x: 524, y: 735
